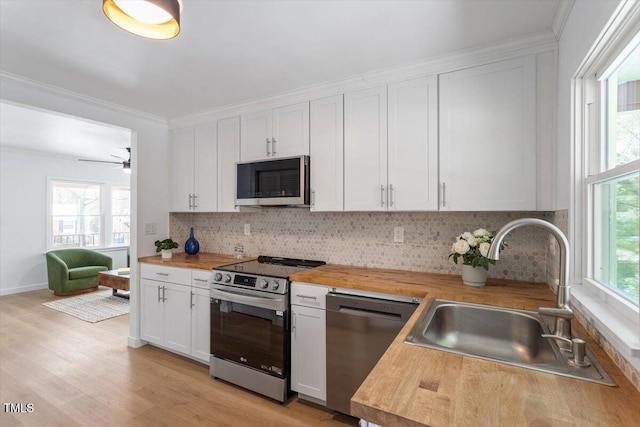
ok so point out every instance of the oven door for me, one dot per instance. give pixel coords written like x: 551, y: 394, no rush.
x: 250, y: 328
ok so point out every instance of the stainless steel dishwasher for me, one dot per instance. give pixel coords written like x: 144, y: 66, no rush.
x: 359, y: 331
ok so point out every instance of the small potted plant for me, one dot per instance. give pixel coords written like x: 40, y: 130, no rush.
x: 473, y: 249
x: 165, y: 247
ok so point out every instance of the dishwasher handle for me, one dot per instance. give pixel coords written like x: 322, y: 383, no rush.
x: 370, y: 307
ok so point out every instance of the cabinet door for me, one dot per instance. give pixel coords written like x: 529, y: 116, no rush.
x: 177, y: 317
x: 488, y: 137
x: 206, y: 168
x: 181, y: 165
x: 365, y: 150
x: 228, y: 156
x: 200, y: 327
x: 290, y: 131
x: 151, y: 317
x: 308, y: 352
x: 413, y: 145
x: 255, y: 142
x: 327, y: 154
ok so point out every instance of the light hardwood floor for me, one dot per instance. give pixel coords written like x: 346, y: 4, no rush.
x: 77, y: 373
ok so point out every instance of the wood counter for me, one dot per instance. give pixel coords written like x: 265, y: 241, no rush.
x: 415, y: 386
x: 202, y: 260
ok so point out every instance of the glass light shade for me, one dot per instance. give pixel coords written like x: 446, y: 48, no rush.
x: 154, y: 19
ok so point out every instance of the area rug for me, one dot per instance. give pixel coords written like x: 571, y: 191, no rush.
x: 93, y: 307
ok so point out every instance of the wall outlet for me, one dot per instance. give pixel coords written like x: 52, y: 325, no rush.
x: 398, y: 234
x: 247, y: 229
x: 150, y: 228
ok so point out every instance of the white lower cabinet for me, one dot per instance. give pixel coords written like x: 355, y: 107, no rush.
x: 308, y: 342
x: 175, y: 310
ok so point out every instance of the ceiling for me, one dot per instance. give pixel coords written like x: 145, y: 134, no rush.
x: 234, y: 51
x: 31, y: 129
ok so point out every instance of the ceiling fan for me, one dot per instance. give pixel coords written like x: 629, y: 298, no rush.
x: 126, y: 163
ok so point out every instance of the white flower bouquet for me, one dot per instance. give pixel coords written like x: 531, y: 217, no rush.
x: 473, y: 248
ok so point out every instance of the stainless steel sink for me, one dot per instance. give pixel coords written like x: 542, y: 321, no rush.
x: 510, y: 336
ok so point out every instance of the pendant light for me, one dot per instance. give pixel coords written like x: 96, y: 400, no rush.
x: 154, y: 19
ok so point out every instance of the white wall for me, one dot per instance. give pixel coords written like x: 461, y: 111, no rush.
x: 149, y: 154
x: 23, y: 207
x: 586, y: 21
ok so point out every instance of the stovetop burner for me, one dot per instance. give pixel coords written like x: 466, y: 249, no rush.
x: 271, y: 266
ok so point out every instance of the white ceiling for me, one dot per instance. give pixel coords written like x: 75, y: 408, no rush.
x: 234, y: 51
x: 31, y: 129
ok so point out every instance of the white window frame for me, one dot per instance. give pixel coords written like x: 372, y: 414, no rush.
x: 613, y: 315
x: 106, y: 222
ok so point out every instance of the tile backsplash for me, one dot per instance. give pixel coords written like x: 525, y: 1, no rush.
x: 366, y: 238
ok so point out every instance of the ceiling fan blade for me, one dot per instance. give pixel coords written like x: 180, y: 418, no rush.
x: 99, y: 161
x: 118, y: 157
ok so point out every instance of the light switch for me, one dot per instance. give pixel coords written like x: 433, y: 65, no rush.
x: 247, y: 229
x: 150, y: 228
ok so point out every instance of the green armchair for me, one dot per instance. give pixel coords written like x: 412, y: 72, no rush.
x: 73, y: 271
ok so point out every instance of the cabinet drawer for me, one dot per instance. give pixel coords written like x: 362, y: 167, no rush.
x: 165, y: 274
x: 308, y: 295
x: 200, y: 278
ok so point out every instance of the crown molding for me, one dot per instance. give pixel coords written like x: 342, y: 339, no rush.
x: 529, y: 45
x: 561, y: 17
x: 10, y: 78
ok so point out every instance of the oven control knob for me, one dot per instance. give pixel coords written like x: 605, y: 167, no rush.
x: 226, y: 278
x: 275, y: 285
x: 217, y: 277
x: 263, y: 283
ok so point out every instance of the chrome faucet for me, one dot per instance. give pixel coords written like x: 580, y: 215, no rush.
x: 562, y: 312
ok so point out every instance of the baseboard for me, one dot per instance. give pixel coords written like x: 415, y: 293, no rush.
x: 135, y: 342
x: 20, y: 289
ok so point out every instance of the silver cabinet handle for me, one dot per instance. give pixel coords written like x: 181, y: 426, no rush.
x: 382, y: 196
x: 191, y: 300
x: 164, y: 293
x: 390, y: 195
x: 313, y: 197
x: 273, y: 146
x: 444, y: 195
x: 201, y: 280
x: 159, y: 293
x: 190, y: 204
x: 268, y: 142
x: 306, y: 296
x: 293, y: 325
x: 194, y: 201
x: 163, y: 274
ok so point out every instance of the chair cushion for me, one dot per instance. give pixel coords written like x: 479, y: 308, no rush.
x: 82, y: 272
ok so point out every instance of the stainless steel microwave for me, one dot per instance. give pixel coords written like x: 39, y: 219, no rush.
x: 278, y: 182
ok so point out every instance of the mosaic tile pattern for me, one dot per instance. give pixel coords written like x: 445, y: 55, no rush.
x: 625, y: 366
x: 366, y: 238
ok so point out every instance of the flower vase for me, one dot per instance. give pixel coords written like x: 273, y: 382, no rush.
x: 191, y: 246
x: 166, y: 253
x: 474, y: 276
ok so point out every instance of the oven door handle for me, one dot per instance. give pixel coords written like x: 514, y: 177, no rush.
x: 268, y: 303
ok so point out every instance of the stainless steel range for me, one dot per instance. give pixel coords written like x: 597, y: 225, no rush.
x: 250, y: 323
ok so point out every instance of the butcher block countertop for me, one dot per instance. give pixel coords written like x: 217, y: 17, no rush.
x: 416, y: 386
x: 202, y: 261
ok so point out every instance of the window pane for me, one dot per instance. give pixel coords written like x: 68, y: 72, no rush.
x: 76, y: 220
x: 616, y: 230
x: 120, y: 210
x: 623, y: 112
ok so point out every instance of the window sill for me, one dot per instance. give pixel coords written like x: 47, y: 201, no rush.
x: 620, y: 330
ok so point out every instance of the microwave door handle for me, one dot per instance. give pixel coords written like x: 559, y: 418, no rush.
x: 245, y: 299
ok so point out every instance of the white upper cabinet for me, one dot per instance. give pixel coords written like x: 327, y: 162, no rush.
x: 488, y: 137
x: 277, y: 133
x: 327, y: 157
x: 413, y: 145
x: 181, y: 164
x: 193, y: 169
x: 228, y: 156
x: 365, y: 150
x: 206, y: 174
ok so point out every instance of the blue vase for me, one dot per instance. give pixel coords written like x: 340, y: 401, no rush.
x: 191, y: 246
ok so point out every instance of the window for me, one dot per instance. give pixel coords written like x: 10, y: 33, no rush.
x: 120, y: 216
x: 88, y: 215
x: 613, y: 180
